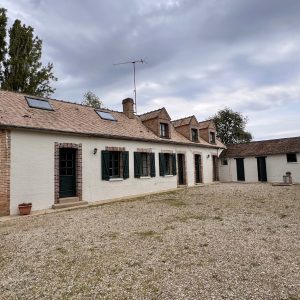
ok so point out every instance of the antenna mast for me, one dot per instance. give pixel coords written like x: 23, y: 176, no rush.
x: 134, y: 83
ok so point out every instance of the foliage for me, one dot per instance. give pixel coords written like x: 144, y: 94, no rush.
x: 230, y: 127
x: 90, y: 99
x: 3, y: 22
x: 22, y: 67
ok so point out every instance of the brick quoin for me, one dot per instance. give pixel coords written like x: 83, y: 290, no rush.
x: 5, y: 172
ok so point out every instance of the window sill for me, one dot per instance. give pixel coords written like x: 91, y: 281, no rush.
x: 116, y: 179
x: 145, y: 177
x: 170, y: 175
x: 292, y: 162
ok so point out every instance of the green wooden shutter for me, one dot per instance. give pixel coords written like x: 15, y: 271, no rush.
x: 152, y: 165
x: 162, y: 164
x: 137, y: 164
x: 125, y: 158
x: 105, y: 164
x: 174, y: 169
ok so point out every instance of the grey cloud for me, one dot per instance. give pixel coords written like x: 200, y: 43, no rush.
x: 202, y: 53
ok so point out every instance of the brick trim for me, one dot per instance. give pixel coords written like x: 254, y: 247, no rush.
x: 5, y: 155
x: 167, y: 151
x: 78, y: 147
x: 119, y: 149
x: 144, y: 150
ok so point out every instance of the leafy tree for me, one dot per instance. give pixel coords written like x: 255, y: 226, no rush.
x: 3, y: 22
x: 90, y: 99
x: 230, y: 127
x: 23, y: 70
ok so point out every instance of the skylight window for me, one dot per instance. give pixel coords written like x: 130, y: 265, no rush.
x: 105, y: 115
x: 39, y: 103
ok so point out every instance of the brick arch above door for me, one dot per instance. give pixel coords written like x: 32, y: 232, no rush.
x: 78, y: 147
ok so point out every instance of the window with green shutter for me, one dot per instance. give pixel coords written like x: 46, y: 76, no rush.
x: 144, y: 164
x: 167, y: 164
x: 115, y: 164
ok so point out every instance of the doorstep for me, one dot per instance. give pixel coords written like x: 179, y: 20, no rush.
x: 68, y: 203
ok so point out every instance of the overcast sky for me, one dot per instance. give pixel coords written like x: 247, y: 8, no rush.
x: 202, y: 55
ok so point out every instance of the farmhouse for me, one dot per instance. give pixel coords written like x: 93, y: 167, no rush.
x: 266, y: 161
x: 55, y: 153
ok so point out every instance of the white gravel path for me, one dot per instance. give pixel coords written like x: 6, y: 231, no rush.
x: 222, y: 241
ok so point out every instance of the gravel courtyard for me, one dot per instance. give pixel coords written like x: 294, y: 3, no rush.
x: 222, y: 241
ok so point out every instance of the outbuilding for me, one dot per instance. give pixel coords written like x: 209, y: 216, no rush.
x: 264, y: 161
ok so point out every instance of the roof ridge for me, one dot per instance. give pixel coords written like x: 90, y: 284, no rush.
x: 269, y: 140
x: 151, y: 111
x: 183, y: 118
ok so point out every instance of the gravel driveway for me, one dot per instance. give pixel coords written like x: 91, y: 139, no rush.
x: 222, y: 241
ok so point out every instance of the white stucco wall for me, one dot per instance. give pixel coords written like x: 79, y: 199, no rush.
x: 32, y: 168
x: 276, y: 165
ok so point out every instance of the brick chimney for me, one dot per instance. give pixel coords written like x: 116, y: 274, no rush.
x: 128, y: 107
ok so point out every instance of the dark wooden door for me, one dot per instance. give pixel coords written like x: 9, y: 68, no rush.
x: 240, y: 171
x: 215, y: 168
x: 261, y: 169
x: 181, y: 169
x: 67, y: 172
x: 198, y: 169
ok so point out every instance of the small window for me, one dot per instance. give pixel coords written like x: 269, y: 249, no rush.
x: 167, y: 164
x: 164, y: 130
x: 195, y: 135
x: 291, y: 157
x: 105, y: 115
x: 224, y: 162
x: 115, y: 164
x: 212, y: 137
x: 144, y: 164
x: 39, y: 103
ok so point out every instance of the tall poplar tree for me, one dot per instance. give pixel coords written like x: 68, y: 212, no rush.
x: 3, y: 23
x: 23, y: 69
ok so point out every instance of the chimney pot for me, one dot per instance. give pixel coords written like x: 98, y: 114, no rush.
x: 128, y: 107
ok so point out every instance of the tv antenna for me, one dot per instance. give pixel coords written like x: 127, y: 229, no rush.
x: 134, y: 83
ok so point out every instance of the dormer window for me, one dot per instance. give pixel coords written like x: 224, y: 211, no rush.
x: 164, y: 130
x: 212, y: 137
x: 194, y: 133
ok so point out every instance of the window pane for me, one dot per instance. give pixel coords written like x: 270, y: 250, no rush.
x: 194, y: 135
x: 224, y: 162
x: 39, y: 103
x: 145, y: 164
x: 114, y: 164
x: 291, y: 157
x: 163, y: 129
x: 168, y: 161
x: 105, y: 115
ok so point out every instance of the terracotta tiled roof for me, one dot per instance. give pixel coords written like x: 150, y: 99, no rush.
x: 267, y: 147
x: 75, y: 118
x: 151, y: 114
x: 183, y: 121
x: 204, y: 124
